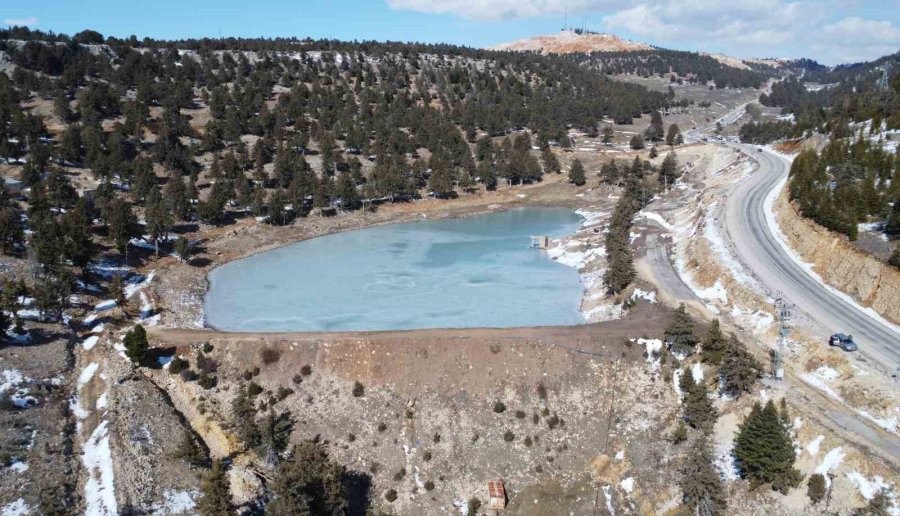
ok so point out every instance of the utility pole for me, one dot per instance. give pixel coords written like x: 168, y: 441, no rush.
x: 783, y: 310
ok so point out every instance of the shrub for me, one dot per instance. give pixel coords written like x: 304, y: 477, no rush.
x: 188, y: 375
x: 426, y: 456
x: 269, y: 355
x: 528, y: 441
x: 815, y: 487
x: 680, y: 434
x: 253, y: 389
x: 247, y: 376
x: 297, y: 379
x: 283, y: 392
x: 499, y: 407
x: 436, y: 438
x: 207, y: 381
x: 541, y: 390
x: 398, y: 476
x: 382, y: 427
x: 520, y: 414
x: 429, y: 485
x: 351, y: 437
x: 207, y: 347
x: 508, y: 436
x: 553, y: 421
x: 358, y: 390
x: 206, y: 364
x: 177, y: 365
x: 474, y: 505
x: 390, y: 495
x: 306, y: 370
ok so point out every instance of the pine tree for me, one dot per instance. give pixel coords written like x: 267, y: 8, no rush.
x: 740, y: 370
x: 668, y: 170
x: 576, y: 173
x: 653, y: 152
x: 243, y: 414
x: 816, y: 488
x: 701, y: 485
x: 136, y: 344
x: 117, y: 291
x: 551, y: 164
x: 655, y: 131
x: 215, y: 492
x: 686, y: 381
x: 122, y: 224
x: 347, y: 192
x: 78, y: 247
x: 680, y: 332
x: 183, y: 249
x: 275, y: 432
x: 636, y: 142
x: 764, y: 450
x: 486, y: 174
x: 607, y: 137
x: 672, y: 135
x: 620, y: 272
x: 12, y: 234
x: 158, y: 216
x: 699, y: 412
x: 189, y: 450
x: 714, y: 345
x: 308, y: 483
x: 440, y: 182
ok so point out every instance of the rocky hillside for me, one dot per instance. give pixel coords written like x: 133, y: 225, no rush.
x: 570, y: 41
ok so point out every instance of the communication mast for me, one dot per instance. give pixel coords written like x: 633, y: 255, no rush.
x: 784, y: 311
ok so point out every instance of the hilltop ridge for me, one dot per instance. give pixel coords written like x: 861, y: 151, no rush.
x: 570, y: 41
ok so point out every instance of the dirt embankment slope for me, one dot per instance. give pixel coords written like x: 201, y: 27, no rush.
x: 873, y: 283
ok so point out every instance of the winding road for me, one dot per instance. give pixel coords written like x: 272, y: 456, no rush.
x: 761, y: 250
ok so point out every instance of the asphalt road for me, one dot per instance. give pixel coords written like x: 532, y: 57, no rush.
x: 759, y: 249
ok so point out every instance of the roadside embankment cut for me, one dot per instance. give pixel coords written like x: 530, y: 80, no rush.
x: 872, y: 283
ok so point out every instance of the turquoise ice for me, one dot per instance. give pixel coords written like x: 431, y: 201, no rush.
x: 453, y: 273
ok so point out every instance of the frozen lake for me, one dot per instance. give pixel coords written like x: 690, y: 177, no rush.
x: 453, y: 273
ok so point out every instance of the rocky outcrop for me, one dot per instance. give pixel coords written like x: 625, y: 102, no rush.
x: 870, y: 281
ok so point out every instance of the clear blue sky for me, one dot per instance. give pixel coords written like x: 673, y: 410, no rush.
x: 831, y: 31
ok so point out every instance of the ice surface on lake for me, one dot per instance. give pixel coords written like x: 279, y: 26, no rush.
x: 453, y: 273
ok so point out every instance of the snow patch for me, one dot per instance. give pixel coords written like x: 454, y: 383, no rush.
x: 627, y: 485
x: 16, y: 508
x: 652, y: 347
x: 697, y: 372
x: 650, y: 297
x: 90, y: 342
x: 99, y: 490
x: 831, y: 461
x: 177, y: 502
x: 813, y: 446
x: 655, y: 217
x: 87, y: 373
x: 714, y: 293
x: 869, y: 488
